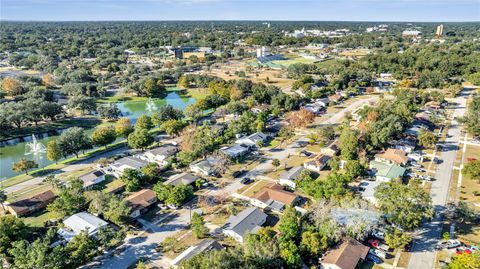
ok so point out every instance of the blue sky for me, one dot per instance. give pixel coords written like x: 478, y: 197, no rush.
x: 315, y: 10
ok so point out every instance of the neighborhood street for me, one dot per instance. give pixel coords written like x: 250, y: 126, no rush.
x: 423, y: 253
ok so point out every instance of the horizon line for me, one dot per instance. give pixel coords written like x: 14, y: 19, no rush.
x: 239, y: 20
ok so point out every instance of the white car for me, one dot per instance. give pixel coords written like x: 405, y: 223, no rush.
x: 378, y: 253
x: 378, y: 234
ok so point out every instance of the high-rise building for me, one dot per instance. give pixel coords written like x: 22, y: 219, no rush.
x: 439, y: 31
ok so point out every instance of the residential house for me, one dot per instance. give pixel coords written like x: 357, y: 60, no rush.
x: 252, y: 140
x: 80, y: 222
x: 206, y: 167
x: 317, y: 162
x: 247, y: 221
x: 275, y: 198
x: 383, y: 85
x: 406, y: 145
x: 323, y: 101
x: 235, y: 151
x: 315, y: 108
x: 289, y: 177
x: 433, y: 105
x: 385, y: 171
x: 128, y: 162
x: 92, y: 178
x: 160, y: 154
x: 346, y: 255
x: 204, y: 246
x: 182, y: 178
x: 335, y: 98
x: 392, y: 156
x: 140, y: 201
x: 414, y: 131
x: 331, y: 149
x: 416, y: 156
x: 367, y: 190
x: 30, y: 205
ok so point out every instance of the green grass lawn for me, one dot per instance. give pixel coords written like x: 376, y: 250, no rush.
x: 39, y: 218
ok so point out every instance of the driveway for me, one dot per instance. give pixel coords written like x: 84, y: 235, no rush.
x: 144, y: 244
x: 423, y: 253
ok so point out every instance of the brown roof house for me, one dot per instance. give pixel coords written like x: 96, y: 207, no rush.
x: 30, y: 205
x: 140, y: 201
x: 392, y: 156
x: 317, y: 163
x: 345, y: 256
x: 274, y: 198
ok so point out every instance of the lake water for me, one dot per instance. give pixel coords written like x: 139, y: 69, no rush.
x: 131, y: 109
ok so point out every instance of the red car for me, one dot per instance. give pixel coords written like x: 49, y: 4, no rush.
x: 373, y: 243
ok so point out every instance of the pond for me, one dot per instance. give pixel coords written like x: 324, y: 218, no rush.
x: 132, y: 109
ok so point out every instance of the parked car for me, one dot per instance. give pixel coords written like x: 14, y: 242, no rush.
x: 415, y: 164
x: 374, y: 259
x: 378, y: 234
x: 239, y: 173
x: 246, y: 180
x: 377, y: 252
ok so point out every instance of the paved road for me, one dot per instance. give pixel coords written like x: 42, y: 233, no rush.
x: 423, y: 256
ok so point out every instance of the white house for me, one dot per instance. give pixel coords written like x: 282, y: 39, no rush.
x: 128, y: 162
x: 91, y: 178
x: 316, y: 163
x: 205, y: 167
x: 160, y: 154
x: 289, y: 177
x: 248, y: 221
x: 235, y: 151
x: 252, y: 140
x: 80, y: 222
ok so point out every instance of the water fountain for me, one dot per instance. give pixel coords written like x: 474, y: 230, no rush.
x: 34, y: 148
x: 150, y: 106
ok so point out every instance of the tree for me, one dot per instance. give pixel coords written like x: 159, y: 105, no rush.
x: 194, y: 112
x: 472, y: 169
x: 24, y: 165
x: 82, y: 103
x: 465, y: 261
x: 123, y: 127
x: 166, y: 113
x: 140, y: 139
x: 313, y: 243
x: 54, y: 152
x: 117, y: 211
x: 183, y: 82
x: 103, y: 135
x: 144, y: 122
x: 276, y: 163
x: 11, y: 86
x: 70, y: 199
x: 38, y: 254
x: 300, y: 118
x: 151, y: 172
x: 290, y: 253
x: 427, y: 139
x: 3, y: 198
x: 48, y: 80
x: 172, y: 127
x: 326, y: 134
x: 198, y: 226
x: 348, y: 143
x: 262, y: 248
x: 289, y: 225
x: 132, y: 178
x: 53, y: 182
x: 152, y: 87
x: 353, y: 169
x: 11, y: 229
x: 173, y: 195
x: 109, y: 111
x: 81, y: 249
x: 73, y: 140
x: 405, y: 205
x: 397, y: 239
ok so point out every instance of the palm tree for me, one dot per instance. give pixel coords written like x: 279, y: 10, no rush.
x: 3, y: 198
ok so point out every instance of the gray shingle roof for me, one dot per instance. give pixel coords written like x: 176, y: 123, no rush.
x: 248, y: 220
x: 293, y: 173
